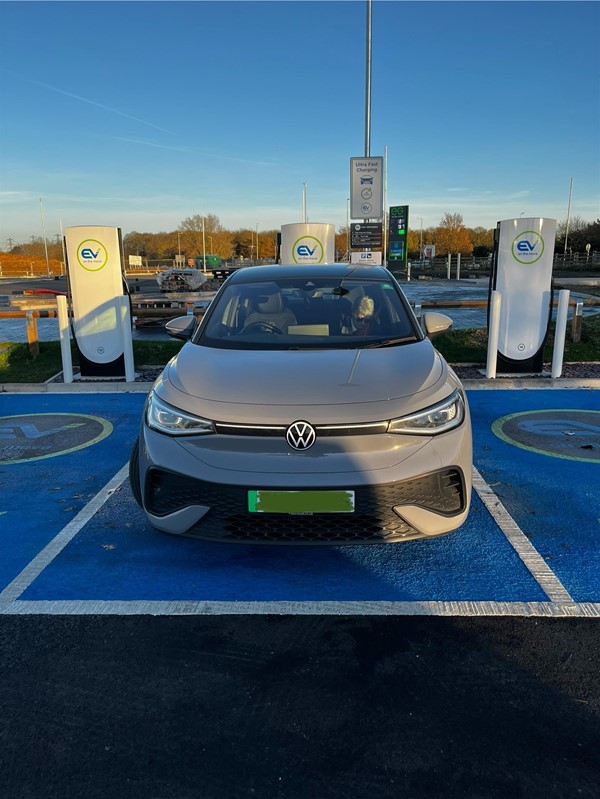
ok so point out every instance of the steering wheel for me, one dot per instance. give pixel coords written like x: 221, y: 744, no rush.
x: 264, y: 327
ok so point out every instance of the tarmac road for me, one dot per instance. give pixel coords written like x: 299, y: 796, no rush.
x: 226, y: 707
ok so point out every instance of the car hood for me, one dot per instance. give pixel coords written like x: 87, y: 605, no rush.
x: 305, y: 377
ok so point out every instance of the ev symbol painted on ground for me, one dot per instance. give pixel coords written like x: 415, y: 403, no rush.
x: 45, y: 435
x: 569, y: 434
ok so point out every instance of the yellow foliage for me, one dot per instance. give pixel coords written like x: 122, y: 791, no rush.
x: 27, y: 265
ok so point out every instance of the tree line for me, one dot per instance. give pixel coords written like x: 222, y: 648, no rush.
x: 197, y: 234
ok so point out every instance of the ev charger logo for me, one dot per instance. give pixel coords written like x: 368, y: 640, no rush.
x: 308, y: 250
x: 92, y: 255
x: 528, y: 247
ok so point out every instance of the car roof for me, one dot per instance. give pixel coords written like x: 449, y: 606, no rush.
x: 337, y: 271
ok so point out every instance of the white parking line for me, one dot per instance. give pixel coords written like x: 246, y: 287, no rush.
x: 540, y: 571
x: 561, y: 604
x: 33, y: 569
x: 366, y: 608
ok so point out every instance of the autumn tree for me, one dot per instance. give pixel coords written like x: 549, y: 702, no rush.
x: 577, y: 236
x: 593, y: 235
x: 135, y: 243
x: 267, y: 244
x: 414, y: 243
x: 482, y: 240
x: 342, y: 241
x: 37, y: 249
x: 451, y: 236
x: 197, y: 232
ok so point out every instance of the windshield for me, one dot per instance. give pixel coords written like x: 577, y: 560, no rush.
x: 314, y: 313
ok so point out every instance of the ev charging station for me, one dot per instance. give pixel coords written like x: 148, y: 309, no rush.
x: 308, y: 243
x: 522, y: 276
x: 101, y: 317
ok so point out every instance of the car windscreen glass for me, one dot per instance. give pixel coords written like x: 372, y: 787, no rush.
x: 308, y: 313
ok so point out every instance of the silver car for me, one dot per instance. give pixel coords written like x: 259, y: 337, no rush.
x: 307, y: 407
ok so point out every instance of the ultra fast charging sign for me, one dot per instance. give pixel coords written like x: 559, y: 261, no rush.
x: 366, y: 187
x: 523, y: 276
x: 96, y: 281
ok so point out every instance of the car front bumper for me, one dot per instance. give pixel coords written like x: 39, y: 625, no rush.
x: 416, y: 487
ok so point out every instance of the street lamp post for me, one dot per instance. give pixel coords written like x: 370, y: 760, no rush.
x: 203, y: 246
x: 257, y: 241
x: 45, y: 240
x: 568, y: 218
x: 348, y: 228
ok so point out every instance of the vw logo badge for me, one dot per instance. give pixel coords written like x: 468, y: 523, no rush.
x: 300, y: 435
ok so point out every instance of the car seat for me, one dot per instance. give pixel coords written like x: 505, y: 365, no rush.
x: 270, y: 309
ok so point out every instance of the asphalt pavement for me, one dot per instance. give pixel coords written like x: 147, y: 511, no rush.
x: 294, y: 707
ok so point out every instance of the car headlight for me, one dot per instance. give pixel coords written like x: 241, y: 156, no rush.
x: 167, y: 419
x: 439, y: 418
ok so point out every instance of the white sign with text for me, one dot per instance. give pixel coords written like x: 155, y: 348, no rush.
x: 366, y: 188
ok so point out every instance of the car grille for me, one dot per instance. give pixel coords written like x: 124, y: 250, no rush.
x: 278, y: 431
x: 374, y: 520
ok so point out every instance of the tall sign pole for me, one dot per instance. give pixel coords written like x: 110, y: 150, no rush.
x: 368, y: 86
x: 366, y: 181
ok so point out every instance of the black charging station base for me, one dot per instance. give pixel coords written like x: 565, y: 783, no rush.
x: 531, y: 366
x: 89, y: 368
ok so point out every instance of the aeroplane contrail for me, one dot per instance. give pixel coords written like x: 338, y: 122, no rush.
x: 99, y: 105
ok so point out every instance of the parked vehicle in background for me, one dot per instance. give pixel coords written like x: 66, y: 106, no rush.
x: 212, y: 262
x: 307, y: 407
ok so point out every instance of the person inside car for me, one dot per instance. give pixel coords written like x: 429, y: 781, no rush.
x: 361, y: 321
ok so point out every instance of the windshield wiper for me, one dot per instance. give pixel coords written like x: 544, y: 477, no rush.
x: 390, y: 342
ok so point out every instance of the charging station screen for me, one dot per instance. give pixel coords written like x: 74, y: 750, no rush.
x: 397, y: 246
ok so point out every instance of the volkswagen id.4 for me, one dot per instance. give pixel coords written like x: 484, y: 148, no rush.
x: 308, y: 406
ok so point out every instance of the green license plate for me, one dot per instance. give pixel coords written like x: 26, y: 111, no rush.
x: 301, y: 501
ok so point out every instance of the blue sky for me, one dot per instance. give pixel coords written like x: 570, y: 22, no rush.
x: 140, y: 114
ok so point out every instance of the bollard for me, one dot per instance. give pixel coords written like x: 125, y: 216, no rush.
x: 576, y: 323
x: 32, y: 333
x: 65, y: 339
x: 125, y: 318
x: 559, y: 333
x: 493, y: 333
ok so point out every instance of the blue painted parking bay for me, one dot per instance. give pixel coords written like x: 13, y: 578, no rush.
x: 74, y: 541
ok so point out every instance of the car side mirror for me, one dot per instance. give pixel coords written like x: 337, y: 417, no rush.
x: 435, y: 324
x: 182, y: 327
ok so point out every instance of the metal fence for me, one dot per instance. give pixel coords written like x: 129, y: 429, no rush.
x: 453, y: 267
x: 460, y: 266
